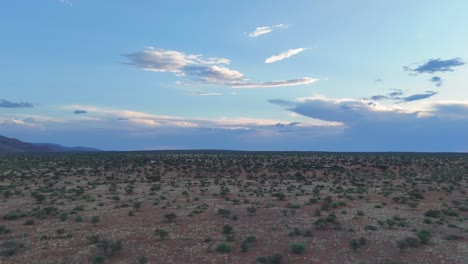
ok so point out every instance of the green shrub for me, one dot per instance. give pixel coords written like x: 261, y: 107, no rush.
x: 407, y: 242
x: 297, y: 248
x: 99, y: 259
x: 4, y: 229
x: 142, y: 260
x: 424, y: 236
x: 29, y: 222
x: 9, y: 248
x: 227, y: 229
x: 251, y: 239
x: 95, y: 219
x: 224, y: 212
x: 14, y: 215
x: 170, y: 217
x: 244, y: 246
x: 432, y: 213
x: 371, y: 228
x: 354, y: 244
x: 163, y: 234
x: 224, y: 248
x: 273, y: 259
x: 454, y: 237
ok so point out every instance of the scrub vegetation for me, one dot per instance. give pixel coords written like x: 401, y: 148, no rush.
x: 233, y: 207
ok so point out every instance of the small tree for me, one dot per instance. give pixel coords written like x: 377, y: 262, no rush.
x: 137, y: 205
x: 354, y: 244
x: 163, y: 234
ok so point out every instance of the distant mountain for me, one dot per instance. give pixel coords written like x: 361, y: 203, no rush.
x: 60, y: 148
x: 14, y: 145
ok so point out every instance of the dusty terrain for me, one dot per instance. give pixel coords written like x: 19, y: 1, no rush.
x: 233, y: 207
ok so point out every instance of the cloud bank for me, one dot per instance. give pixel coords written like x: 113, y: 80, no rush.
x: 368, y: 126
x: 318, y: 123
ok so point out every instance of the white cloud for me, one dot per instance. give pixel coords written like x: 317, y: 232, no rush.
x: 208, y: 61
x: 209, y: 71
x: 265, y: 30
x: 284, y: 55
x: 214, y: 74
x: 159, y: 60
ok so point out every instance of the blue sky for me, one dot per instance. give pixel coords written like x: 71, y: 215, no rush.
x: 254, y: 75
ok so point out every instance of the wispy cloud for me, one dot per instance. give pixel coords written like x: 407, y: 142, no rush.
x: 379, y: 97
x: 437, y: 81
x: 8, y: 104
x: 397, y: 95
x: 204, y: 94
x: 294, y: 82
x: 265, y: 30
x: 416, y: 97
x: 284, y: 55
x: 435, y: 65
x: 80, y: 112
x: 65, y: 2
x: 210, y: 71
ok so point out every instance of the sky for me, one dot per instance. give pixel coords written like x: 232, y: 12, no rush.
x: 304, y: 75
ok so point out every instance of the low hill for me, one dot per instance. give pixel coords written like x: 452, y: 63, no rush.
x: 8, y: 145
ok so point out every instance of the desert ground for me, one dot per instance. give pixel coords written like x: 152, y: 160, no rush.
x: 233, y: 207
